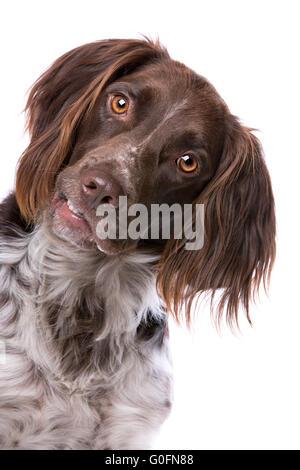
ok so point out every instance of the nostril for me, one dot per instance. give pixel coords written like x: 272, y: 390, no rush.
x: 90, y: 185
x: 100, y: 188
x: 106, y: 200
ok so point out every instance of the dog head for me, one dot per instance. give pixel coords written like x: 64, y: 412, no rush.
x: 121, y: 118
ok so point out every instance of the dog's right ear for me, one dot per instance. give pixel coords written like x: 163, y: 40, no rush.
x: 56, y: 105
x: 239, y: 241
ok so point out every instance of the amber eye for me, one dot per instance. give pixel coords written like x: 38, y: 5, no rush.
x: 119, y: 104
x: 187, y: 163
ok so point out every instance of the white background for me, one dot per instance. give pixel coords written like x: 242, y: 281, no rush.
x: 231, y: 391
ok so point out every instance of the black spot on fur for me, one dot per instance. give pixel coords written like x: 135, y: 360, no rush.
x: 152, y: 329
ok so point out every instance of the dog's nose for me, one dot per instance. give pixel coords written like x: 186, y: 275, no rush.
x: 100, y: 188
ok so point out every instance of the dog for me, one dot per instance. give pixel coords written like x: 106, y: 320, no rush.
x: 83, y: 319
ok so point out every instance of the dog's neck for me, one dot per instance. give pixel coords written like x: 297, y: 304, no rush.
x: 87, y: 309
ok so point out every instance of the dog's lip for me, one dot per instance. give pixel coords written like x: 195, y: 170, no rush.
x: 72, y: 216
x: 59, y: 199
x: 67, y: 210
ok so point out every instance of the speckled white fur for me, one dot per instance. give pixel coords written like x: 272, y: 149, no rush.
x: 122, y: 392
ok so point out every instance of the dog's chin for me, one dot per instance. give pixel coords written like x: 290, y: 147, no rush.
x: 80, y: 231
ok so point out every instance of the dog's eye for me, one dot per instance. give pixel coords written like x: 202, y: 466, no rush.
x: 187, y: 163
x: 119, y: 104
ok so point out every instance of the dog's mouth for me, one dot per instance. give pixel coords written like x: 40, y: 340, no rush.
x: 71, y: 216
x: 79, y: 226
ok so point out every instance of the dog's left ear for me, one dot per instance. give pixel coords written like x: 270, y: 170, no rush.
x: 239, y: 233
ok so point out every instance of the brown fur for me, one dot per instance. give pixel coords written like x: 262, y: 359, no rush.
x: 239, y: 248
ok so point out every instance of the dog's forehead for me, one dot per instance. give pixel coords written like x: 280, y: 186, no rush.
x: 167, y: 78
x: 174, y: 85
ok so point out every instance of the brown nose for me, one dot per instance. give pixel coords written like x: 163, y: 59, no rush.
x: 100, y: 188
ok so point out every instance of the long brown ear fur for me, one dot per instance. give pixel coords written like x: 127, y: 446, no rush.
x: 239, y: 240
x: 58, y: 102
